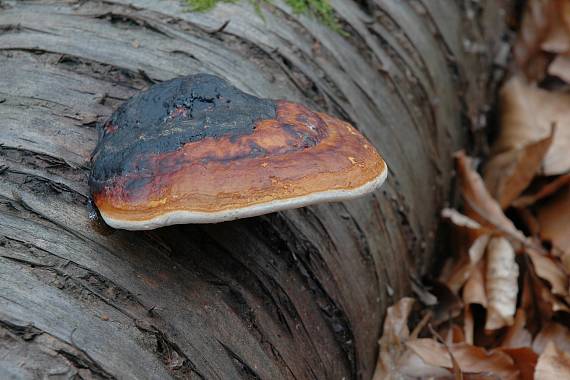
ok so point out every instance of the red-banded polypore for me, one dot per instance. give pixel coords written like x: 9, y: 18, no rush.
x: 198, y: 150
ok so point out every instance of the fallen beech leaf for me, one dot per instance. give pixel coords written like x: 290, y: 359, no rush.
x: 459, y: 219
x: 396, y: 322
x: 517, y: 335
x: 474, y: 289
x: 554, y: 219
x: 565, y: 259
x: 525, y: 360
x: 552, y: 364
x: 548, y: 269
x: 537, y: 300
x: 545, y: 191
x: 529, y: 220
x: 455, y: 368
x: 508, y: 173
x: 528, y: 114
x: 501, y: 283
x: 557, y: 39
x: 453, y: 335
x: 565, y: 13
x: 537, y: 309
x: 477, y: 249
x: 552, y: 332
x: 468, y: 233
x: 468, y: 325
x: 422, y: 293
x: 462, y: 271
x: 412, y: 366
x: 471, y: 359
x: 420, y: 326
x: 536, y: 21
x: 559, y: 305
x: 394, y: 335
x: 448, y: 305
x: 560, y: 68
x: 480, y: 201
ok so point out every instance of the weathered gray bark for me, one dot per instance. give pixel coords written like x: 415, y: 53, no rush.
x: 297, y: 294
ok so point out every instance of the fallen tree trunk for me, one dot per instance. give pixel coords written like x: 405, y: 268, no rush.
x: 296, y: 294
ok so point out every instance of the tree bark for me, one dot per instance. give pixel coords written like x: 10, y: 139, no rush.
x: 296, y: 294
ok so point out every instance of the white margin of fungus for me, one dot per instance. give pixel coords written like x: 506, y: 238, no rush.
x: 197, y: 217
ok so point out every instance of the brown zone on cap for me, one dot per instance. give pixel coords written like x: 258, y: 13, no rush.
x: 298, y: 153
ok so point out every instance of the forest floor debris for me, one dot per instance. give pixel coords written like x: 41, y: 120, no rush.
x: 503, y: 309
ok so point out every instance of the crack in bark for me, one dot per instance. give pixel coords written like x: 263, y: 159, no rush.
x: 299, y: 254
x: 143, y: 320
x: 130, y: 20
x: 70, y: 351
x: 245, y: 370
x: 170, y: 353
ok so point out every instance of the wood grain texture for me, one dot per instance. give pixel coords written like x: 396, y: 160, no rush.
x: 297, y: 294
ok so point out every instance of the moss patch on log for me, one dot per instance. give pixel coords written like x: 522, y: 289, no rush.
x: 319, y: 9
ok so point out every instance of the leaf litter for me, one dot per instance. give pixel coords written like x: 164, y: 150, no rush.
x: 502, y: 307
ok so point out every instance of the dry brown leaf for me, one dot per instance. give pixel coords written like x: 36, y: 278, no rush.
x: 537, y: 300
x: 412, y: 366
x: 468, y: 233
x: 558, y: 305
x: 501, y: 283
x: 565, y: 260
x: 468, y: 325
x: 548, y: 269
x: 557, y: 39
x: 396, y: 322
x: 534, y: 30
x: 420, y: 326
x: 550, y: 188
x: 448, y: 305
x: 453, y: 335
x: 546, y: 302
x: 474, y: 289
x: 528, y: 115
x: 565, y: 13
x: 553, y: 364
x: 552, y: 332
x: 525, y: 360
x: 395, y: 360
x: 462, y: 271
x: 537, y: 309
x: 455, y: 368
x: 517, y: 335
x: 508, y: 173
x: 479, y: 201
x: 554, y: 220
x: 529, y: 220
x: 560, y: 68
x: 477, y: 249
x: 459, y: 219
x: 421, y: 291
x: 471, y: 359
x: 395, y: 333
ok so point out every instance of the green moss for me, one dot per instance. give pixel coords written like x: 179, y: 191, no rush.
x: 205, y: 5
x: 320, y: 9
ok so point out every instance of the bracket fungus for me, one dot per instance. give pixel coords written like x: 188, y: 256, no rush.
x: 197, y: 150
